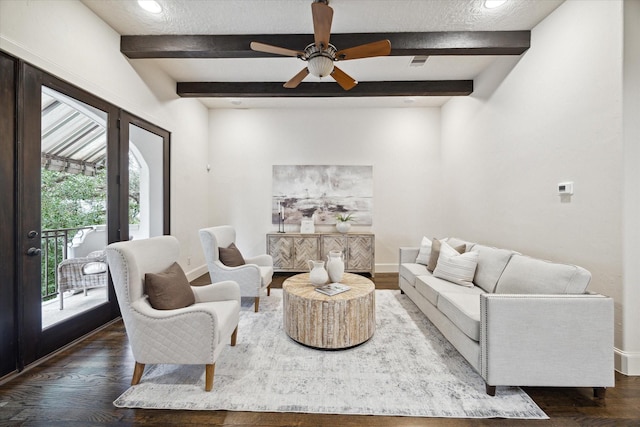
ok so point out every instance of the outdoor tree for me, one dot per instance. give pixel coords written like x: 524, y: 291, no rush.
x: 71, y: 201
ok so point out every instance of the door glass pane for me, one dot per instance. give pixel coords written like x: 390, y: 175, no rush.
x: 145, y: 183
x: 74, y: 207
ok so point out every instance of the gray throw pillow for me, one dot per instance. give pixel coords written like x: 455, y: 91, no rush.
x: 169, y: 290
x: 231, y: 256
x: 435, y: 253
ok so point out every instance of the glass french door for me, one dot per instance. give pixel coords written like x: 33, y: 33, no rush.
x: 68, y: 198
x: 147, y: 181
x: 76, y: 174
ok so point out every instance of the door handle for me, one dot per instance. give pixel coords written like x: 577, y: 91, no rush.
x: 34, y: 251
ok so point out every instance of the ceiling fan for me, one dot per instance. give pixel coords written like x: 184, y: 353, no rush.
x: 321, y: 55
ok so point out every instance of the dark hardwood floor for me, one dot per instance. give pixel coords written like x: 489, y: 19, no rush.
x: 77, y: 387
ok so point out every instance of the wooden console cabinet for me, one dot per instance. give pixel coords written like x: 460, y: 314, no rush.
x: 291, y: 251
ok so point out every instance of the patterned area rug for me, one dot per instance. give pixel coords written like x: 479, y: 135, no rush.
x: 406, y: 369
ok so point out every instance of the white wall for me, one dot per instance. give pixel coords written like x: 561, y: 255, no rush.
x: 66, y: 39
x: 401, y: 144
x: 629, y: 358
x: 149, y: 150
x: 557, y: 116
x: 485, y: 168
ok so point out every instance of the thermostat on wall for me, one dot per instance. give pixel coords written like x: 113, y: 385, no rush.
x: 565, y: 188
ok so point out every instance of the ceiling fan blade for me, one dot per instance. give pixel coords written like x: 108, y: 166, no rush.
x: 379, y: 48
x: 267, y: 48
x: 322, y: 17
x: 343, y: 79
x: 295, y: 81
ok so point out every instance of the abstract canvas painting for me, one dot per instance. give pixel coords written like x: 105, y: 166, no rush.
x: 322, y: 192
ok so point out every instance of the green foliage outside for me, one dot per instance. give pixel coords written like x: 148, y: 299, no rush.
x: 73, y: 200
x: 76, y: 200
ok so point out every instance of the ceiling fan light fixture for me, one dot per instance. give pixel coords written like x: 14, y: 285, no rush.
x: 320, y: 62
x: 320, y: 66
x: 320, y: 55
x: 150, y: 6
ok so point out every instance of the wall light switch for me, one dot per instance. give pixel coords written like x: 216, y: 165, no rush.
x: 565, y: 188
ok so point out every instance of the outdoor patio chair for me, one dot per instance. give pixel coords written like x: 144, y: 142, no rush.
x: 82, y: 273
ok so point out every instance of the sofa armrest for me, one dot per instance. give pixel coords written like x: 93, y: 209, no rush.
x: 547, y: 340
x: 408, y: 254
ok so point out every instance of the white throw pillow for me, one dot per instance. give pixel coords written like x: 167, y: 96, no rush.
x: 425, y: 252
x: 456, y: 268
x: 94, y: 268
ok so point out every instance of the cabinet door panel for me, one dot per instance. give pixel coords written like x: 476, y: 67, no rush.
x: 306, y: 248
x: 333, y: 243
x: 360, y: 253
x: 281, y: 249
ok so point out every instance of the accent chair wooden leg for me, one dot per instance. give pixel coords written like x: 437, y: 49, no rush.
x: 208, y: 377
x: 599, y: 392
x: 234, y: 336
x: 491, y: 390
x: 269, y: 290
x: 137, y: 373
x: 257, y: 304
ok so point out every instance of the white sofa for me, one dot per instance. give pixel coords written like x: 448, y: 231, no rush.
x: 522, y: 322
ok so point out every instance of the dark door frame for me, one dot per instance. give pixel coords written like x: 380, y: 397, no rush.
x: 8, y: 312
x: 22, y: 340
x: 127, y: 119
x: 35, y: 342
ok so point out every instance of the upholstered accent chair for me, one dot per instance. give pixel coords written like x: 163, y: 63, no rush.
x: 254, y: 277
x: 82, y: 273
x: 195, y: 334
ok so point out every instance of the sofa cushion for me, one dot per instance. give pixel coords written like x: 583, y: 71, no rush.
x: 463, y: 309
x: 431, y: 287
x: 410, y: 271
x: 169, y: 289
x: 491, y: 264
x: 458, y: 268
x: 436, y: 246
x: 231, y: 256
x: 456, y: 242
x: 525, y: 275
x: 425, y: 252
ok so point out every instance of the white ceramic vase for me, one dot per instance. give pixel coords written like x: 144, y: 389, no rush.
x: 343, y: 226
x: 335, y: 266
x: 317, y: 274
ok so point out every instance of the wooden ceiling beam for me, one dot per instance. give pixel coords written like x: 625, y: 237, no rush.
x: 328, y: 89
x: 402, y: 44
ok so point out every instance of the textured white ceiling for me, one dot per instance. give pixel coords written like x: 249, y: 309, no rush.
x: 294, y: 16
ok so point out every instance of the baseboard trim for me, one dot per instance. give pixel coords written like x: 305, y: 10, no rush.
x: 197, y: 272
x: 386, y: 268
x: 627, y: 362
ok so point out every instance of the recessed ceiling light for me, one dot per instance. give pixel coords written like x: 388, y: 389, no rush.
x: 236, y: 102
x: 150, y: 6
x: 409, y: 100
x: 492, y: 4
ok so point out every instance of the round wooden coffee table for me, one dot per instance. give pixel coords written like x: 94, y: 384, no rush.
x: 332, y: 322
